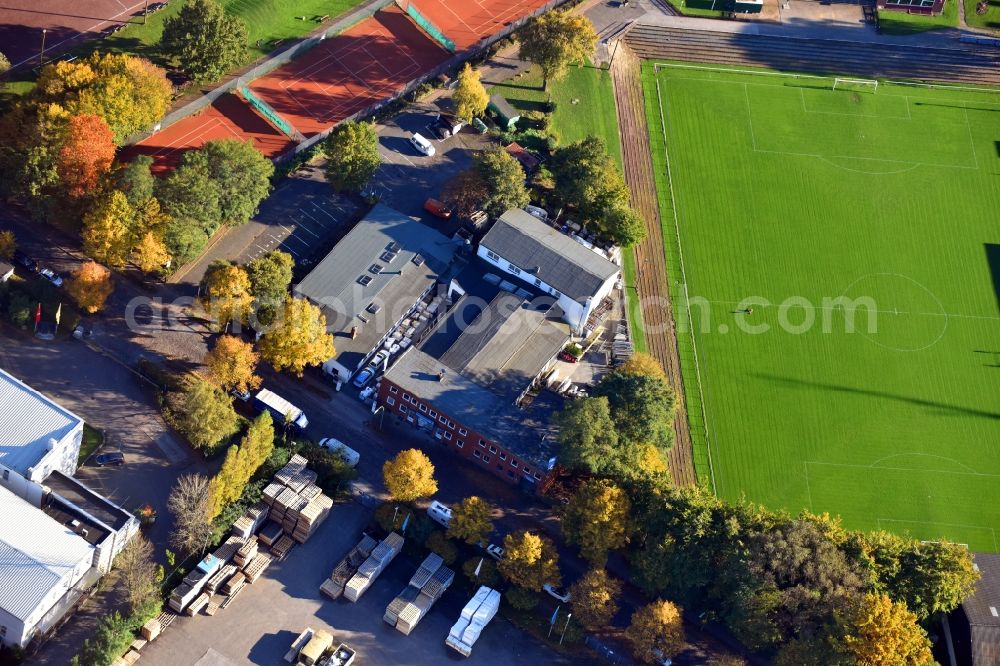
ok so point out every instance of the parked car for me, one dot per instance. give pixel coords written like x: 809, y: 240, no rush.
x: 24, y: 261
x: 495, y: 551
x: 243, y: 396
x: 379, y: 359
x: 435, y: 207
x: 568, y: 357
x: 347, y: 453
x: 51, y: 276
x: 439, y: 513
x: 363, y: 377
x: 535, y: 211
x: 422, y: 144
x: 115, y: 459
x: 366, y: 392
x: 560, y: 593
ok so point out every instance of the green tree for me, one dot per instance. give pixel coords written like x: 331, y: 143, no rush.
x: 225, y: 293
x: 298, y: 339
x: 504, y: 180
x: 470, y: 96
x: 595, y: 599
x: 242, y: 174
x: 438, y: 543
x: 204, y: 41
x: 108, y: 229
x: 487, y: 571
x: 555, y: 40
x: 587, y: 436
x: 470, y: 520
x: 190, y: 193
x: 656, y: 632
x: 184, y: 239
x: 641, y: 406
x: 521, y: 599
x: 7, y: 244
x: 352, y: 156
x: 409, y: 476
x: 109, y: 640
x: 625, y: 226
x: 240, y: 464
x: 4, y: 63
x: 135, y: 179
x: 207, y: 416
x: 31, y: 135
x: 530, y: 561
x: 270, y: 276
x: 596, y: 519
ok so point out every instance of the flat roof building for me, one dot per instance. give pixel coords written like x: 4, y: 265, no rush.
x: 372, y: 279
x: 976, y: 627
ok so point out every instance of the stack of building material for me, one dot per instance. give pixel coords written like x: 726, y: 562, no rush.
x: 181, y: 596
x: 298, y: 644
x: 234, y: 584
x: 300, y: 479
x: 247, y: 552
x: 200, y: 602
x: 310, y: 492
x: 271, y: 533
x: 282, y: 546
x: 426, y: 587
x: 219, y: 578
x: 311, y: 517
x: 151, y: 629
x: 293, y: 511
x: 256, y: 567
x: 475, y: 616
x: 250, y: 522
x: 213, y: 607
x: 226, y: 551
x: 369, y: 570
x: 272, y: 490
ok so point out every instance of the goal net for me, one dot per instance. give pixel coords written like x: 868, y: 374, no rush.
x: 856, y: 85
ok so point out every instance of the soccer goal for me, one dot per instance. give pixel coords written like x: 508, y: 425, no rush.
x: 856, y: 85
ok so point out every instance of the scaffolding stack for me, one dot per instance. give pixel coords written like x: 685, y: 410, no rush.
x: 427, y: 585
x: 370, y: 569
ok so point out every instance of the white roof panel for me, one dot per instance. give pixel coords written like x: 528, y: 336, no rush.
x: 36, y: 552
x: 28, y: 420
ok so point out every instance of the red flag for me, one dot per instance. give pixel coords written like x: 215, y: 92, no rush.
x: 38, y: 316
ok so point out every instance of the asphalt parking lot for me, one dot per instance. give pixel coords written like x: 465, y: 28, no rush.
x: 407, y: 178
x: 260, y: 624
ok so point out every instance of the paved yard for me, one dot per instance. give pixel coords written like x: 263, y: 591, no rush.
x: 260, y: 624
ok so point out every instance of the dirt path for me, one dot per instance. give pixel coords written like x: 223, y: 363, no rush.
x: 651, y: 284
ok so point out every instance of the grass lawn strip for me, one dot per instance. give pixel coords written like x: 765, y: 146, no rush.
x: 791, y: 192
x: 900, y: 23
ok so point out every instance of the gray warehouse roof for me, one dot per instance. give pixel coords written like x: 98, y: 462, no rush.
x: 983, y: 610
x: 387, y: 259
x: 546, y: 253
x: 28, y: 420
x: 36, y: 552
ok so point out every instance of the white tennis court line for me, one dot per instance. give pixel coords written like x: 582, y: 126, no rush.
x: 128, y: 11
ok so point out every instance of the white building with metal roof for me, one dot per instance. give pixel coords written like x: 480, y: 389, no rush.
x: 580, y: 278
x: 37, y: 436
x: 44, y: 567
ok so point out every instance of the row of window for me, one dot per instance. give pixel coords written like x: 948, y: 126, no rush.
x: 446, y: 435
x: 517, y: 271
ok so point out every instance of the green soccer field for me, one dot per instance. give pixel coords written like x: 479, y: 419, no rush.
x: 863, y: 231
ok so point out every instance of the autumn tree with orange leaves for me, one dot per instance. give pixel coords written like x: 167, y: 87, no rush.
x: 90, y: 286
x: 86, y: 154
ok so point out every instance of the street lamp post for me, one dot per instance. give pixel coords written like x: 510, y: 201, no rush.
x: 145, y: 10
x: 41, y: 54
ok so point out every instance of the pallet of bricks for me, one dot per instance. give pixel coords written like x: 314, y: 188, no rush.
x: 333, y: 586
x: 425, y: 588
x: 370, y: 569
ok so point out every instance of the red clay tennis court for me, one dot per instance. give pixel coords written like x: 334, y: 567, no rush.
x: 227, y: 118
x: 344, y: 74
x: 466, y: 22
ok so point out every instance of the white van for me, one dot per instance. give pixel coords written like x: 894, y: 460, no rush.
x: 439, y: 513
x: 422, y: 144
x: 347, y: 453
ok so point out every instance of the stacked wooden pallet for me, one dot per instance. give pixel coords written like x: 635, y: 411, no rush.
x: 226, y: 551
x: 219, y: 578
x: 282, y: 546
x: 234, y: 584
x: 256, y: 567
x: 200, y: 602
x: 311, y: 517
x: 426, y: 586
x: 247, y: 552
x: 271, y: 533
x: 370, y: 569
x: 333, y: 586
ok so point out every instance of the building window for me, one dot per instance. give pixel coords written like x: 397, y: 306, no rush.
x: 538, y: 283
x: 556, y: 294
x: 492, y: 255
x: 433, y: 414
x: 423, y: 408
x: 513, y: 269
x: 493, y: 449
x: 451, y: 424
x: 537, y: 475
x: 442, y: 420
x: 393, y: 389
x: 482, y: 443
x: 513, y: 463
x: 403, y: 409
x: 390, y: 401
x: 413, y: 401
x: 503, y: 456
x: 447, y: 435
x: 477, y: 453
x: 486, y: 459
x: 463, y: 432
x: 526, y: 470
x: 406, y: 397
x: 459, y: 444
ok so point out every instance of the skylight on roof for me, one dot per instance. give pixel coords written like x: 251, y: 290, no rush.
x: 388, y: 256
x: 365, y: 280
x: 375, y: 268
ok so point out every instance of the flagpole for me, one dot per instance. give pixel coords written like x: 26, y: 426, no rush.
x: 552, y: 622
x: 565, y: 626
x: 58, y: 317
